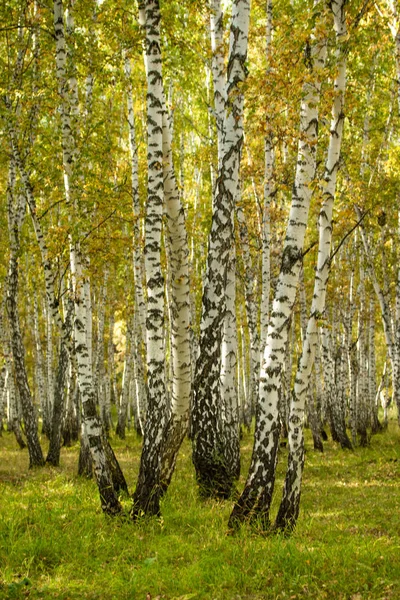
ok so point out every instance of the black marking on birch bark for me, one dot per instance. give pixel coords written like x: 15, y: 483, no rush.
x: 53, y: 455
x: 36, y: 458
x: 255, y: 501
x: 289, y: 507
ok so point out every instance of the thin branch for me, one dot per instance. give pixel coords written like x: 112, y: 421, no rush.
x: 50, y: 208
x: 310, y: 247
x: 29, y: 27
x: 342, y: 241
x: 99, y: 225
x: 361, y: 13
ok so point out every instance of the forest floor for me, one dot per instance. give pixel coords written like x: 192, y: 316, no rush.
x: 56, y: 543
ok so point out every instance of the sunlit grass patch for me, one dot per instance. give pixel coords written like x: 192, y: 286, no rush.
x: 56, y: 543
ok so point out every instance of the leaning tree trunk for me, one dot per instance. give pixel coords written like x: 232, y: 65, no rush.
x: 255, y: 501
x: 289, y: 507
x: 16, y: 210
x: 67, y: 89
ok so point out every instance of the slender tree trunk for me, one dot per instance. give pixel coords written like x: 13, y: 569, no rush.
x: 16, y: 209
x: 177, y: 425
x: 372, y: 387
x: 289, y: 508
x: 146, y: 499
x: 98, y: 362
x: 251, y: 309
x: 362, y: 383
x: 53, y: 455
x: 229, y: 388
x: 39, y: 367
x: 126, y: 380
x: 256, y: 498
x: 67, y: 88
x: 269, y: 193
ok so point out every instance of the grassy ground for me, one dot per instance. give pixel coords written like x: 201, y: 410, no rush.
x: 56, y: 543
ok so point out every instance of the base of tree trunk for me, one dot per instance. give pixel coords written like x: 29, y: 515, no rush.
x: 120, y: 430
x: 364, y: 439
x: 174, y: 434
x: 146, y: 501
x: 53, y: 459
x: 85, y: 463
x: 118, y: 479
x: 254, y: 515
x: 318, y: 445
x: 214, y: 478
x: 324, y: 435
x: 16, y: 429
x: 344, y: 441
x: 376, y: 426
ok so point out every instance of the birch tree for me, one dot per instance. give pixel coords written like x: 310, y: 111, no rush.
x: 91, y: 422
x: 146, y: 499
x: 290, y: 503
x: 16, y: 211
x: 255, y: 500
x: 214, y: 475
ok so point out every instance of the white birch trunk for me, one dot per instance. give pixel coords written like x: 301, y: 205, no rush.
x: 99, y: 375
x: 218, y: 71
x: 49, y: 360
x: 228, y: 382
x: 256, y: 498
x: 372, y: 387
x: 177, y: 425
x: 39, y: 367
x: 16, y: 212
x: 147, y: 494
x: 251, y: 310
x: 290, y: 504
x: 269, y: 193
x: 215, y: 477
x: 362, y: 372
x: 126, y: 381
x: 91, y: 423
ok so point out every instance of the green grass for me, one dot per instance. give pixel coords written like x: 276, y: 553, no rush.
x: 56, y: 543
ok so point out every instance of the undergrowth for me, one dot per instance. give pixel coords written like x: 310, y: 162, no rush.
x: 56, y: 543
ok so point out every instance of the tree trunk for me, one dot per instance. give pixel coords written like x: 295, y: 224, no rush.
x: 290, y: 504
x: 178, y: 420
x: 67, y: 88
x: 16, y: 210
x: 255, y: 501
x: 146, y: 498
x: 53, y: 455
x: 213, y: 474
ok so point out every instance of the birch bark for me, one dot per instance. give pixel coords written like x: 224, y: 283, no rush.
x: 214, y: 476
x: 177, y: 424
x: 256, y: 498
x: 91, y: 423
x: 289, y: 508
x: 16, y: 211
x: 146, y: 499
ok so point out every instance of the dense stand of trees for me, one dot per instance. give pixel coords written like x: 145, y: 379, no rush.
x: 200, y: 233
